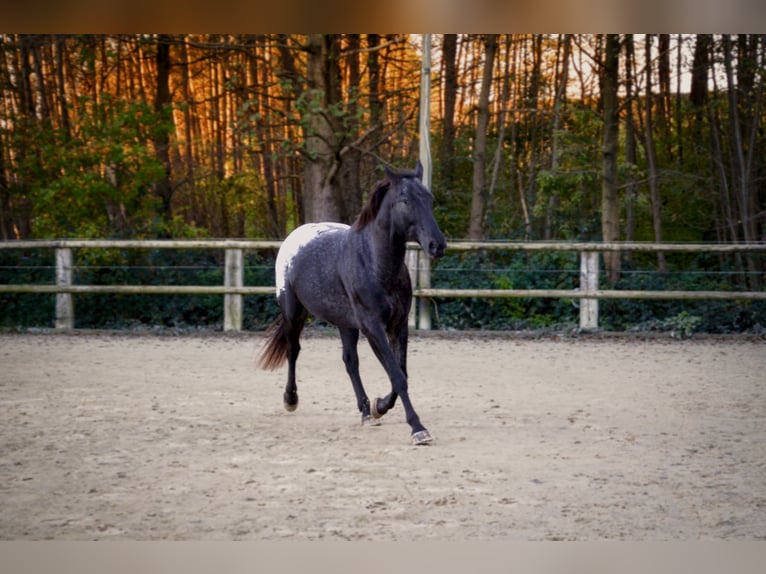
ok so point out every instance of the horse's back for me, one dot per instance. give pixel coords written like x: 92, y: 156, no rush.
x: 304, y: 240
x: 307, y: 268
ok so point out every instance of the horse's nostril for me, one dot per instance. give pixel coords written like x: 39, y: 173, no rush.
x: 435, y: 249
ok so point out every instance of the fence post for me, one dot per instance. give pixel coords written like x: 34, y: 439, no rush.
x: 412, y: 268
x: 588, y: 284
x: 64, y: 305
x: 424, y: 282
x: 232, y: 303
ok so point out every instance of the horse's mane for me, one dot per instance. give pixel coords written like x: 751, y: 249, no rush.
x: 371, y: 208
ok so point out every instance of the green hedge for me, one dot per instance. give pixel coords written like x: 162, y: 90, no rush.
x: 135, y: 267
x: 549, y: 270
x: 488, y: 270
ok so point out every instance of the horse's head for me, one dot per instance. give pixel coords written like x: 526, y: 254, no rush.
x: 412, y: 210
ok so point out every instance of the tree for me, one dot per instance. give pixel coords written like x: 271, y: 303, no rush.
x: 610, y: 207
x: 349, y: 176
x: 741, y: 167
x: 250, y: 135
x: 663, y: 96
x: 743, y: 110
x: 449, y: 62
x: 562, y: 79
x: 631, y: 153
x: 651, y: 156
x: 162, y: 107
x: 331, y: 184
x: 479, y: 189
x: 700, y: 71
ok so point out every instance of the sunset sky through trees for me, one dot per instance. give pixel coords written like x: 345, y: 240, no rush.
x: 249, y: 135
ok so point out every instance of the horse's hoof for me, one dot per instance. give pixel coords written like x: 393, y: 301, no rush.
x: 370, y: 421
x: 421, y: 437
x: 374, y: 409
x: 290, y: 402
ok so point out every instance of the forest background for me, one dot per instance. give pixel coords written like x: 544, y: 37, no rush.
x: 534, y: 137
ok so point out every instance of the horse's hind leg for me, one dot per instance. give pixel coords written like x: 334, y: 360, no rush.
x: 350, y: 339
x: 291, y: 389
x: 295, y: 317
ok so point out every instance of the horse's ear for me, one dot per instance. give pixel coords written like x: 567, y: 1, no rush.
x: 392, y: 175
x: 419, y: 171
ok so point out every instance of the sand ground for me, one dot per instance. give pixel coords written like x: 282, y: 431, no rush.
x: 108, y: 436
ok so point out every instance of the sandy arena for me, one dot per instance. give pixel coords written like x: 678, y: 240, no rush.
x: 145, y: 437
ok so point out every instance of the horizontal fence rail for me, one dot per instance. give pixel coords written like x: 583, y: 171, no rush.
x: 597, y: 294
x: 418, y: 264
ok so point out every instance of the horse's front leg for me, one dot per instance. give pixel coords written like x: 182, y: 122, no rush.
x: 398, y: 341
x: 393, y: 365
x: 350, y: 338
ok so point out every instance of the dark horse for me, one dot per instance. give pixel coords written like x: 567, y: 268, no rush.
x: 355, y: 278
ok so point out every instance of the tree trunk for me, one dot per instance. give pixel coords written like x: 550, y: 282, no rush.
x: 373, y: 73
x: 610, y: 207
x: 478, y: 202
x: 497, y: 161
x: 162, y: 106
x: 740, y: 169
x: 651, y: 158
x: 26, y: 97
x: 631, y: 155
x: 679, y: 123
x: 321, y: 201
x: 514, y: 143
x: 532, y: 127
x: 561, y: 81
x: 699, y: 80
x: 663, y: 98
x: 6, y: 217
x: 265, y: 158
x: 349, y: 156
x: 449, y: 61
x: 42, y: 90
x: 188, y: 113
x: 741, y: 123
x: 728, y: 219
x: 63, y: 105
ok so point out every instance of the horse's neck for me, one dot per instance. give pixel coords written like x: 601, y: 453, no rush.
x: 387, y: 251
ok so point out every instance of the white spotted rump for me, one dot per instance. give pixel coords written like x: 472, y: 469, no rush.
x: 293, y: 243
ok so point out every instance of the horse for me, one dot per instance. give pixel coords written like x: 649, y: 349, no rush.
x: 354, y: 277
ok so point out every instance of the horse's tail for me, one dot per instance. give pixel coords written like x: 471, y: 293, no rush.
x: 274, y: 354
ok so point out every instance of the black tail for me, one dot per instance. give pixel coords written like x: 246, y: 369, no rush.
x: 274, y: 354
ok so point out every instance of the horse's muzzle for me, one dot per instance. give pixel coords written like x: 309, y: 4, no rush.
x: 436, y: 248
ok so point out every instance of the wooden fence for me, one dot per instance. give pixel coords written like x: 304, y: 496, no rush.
x: 233, y: 288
